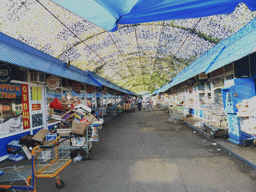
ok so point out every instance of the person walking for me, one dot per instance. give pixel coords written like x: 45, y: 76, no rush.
x: 139, y: 104
x: 150, y: 104
x: 143, y: 105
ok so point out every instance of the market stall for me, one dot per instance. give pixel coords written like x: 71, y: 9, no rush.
x: 28, y: 87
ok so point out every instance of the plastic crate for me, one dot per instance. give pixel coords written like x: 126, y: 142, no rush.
x: 51, y: 136
x: 14, y: 147
x: 16, y: 157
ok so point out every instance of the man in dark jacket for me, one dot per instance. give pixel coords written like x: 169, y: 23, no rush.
x: 139, y: 104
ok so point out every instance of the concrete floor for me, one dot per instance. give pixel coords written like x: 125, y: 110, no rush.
x: 141, y: 151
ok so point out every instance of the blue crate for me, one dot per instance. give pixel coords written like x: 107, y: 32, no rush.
x: 16, y: 157
x: 14, y: 147
x: 51, y: 136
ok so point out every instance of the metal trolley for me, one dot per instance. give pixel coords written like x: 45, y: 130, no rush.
x: 47, y: 161
x: 91, y: 135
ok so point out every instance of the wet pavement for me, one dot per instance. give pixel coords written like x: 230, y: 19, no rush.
x: 141, y: 151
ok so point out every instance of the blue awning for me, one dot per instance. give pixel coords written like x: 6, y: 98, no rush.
x: 106, y: 83
x: 237, y: 46
x: 20, y: 54
x: 109, y: 13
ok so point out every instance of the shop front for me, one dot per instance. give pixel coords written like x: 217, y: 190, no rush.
x: 31, y: 82
x: 22, y: 108
x: 222, y: 100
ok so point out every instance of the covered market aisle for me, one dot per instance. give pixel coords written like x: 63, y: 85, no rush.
x: 72, y: 74
x: 140, y: 151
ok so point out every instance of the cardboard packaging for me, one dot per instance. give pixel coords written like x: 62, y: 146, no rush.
x: 27, y: 140
x: 66, y: 106
x: 27, y: 152
x: 79, y: 127
x: 64, y: 132
x: 89, y: 117
x: 40, y: 135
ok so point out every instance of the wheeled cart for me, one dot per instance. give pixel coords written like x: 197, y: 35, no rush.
x: 81, y: 145
x: 216, y: 132
x: 47, y: 161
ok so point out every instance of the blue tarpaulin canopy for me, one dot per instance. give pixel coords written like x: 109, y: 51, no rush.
x: 109, y: 13
x: 141, y: 56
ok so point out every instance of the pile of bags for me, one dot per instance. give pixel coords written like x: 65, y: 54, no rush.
x: 249, y: 126
x: 247, y: 106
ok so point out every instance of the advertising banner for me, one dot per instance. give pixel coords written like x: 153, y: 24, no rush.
x: 25, y: 106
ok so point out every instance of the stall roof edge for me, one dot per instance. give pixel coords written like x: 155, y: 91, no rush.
x: 16, y: 53
x: 107, y: 83
x: 217, y: 56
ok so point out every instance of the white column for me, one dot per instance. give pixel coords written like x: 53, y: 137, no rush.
x: 102, y: 99
x: 85, y: 97
x: 95, y: 97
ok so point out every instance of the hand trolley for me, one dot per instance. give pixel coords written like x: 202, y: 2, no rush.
x: 47, y: 161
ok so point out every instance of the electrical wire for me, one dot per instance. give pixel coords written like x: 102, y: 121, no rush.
x: 75, y: 35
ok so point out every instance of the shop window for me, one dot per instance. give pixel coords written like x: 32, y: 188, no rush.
x: 14, y: 108
x: 20, y: 74
x: 209, y: 98
x: 218, y: 82
x: 242, y: 68
x: 217, y: 72
x: 99, y: 102
x: 93, y: 100
x: 89, y: 100
x: 228, y: 67
x: 52, y: 94
x: 105, y: 99
x: 73, y: 93
x: 208, y: 86
x: 70, y: 83
x: 41, y: 77
x: 65, y: 91
x: 201, y: 86
x: 82, y: 97
x: 82, y: 87
x: 202, y: 99
x: 64, y: 82
x: 36, y: 93
x: 253, y: 64
x: 218, y: 96
x: 36, y: 105
x: 190, y: 89
x: 229, y: 77
x: 33, y: 76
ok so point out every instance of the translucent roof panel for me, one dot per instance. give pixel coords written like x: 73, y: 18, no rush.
x: 138, y: 57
